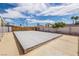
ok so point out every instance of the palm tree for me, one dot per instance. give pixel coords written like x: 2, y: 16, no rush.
x: 20, y: 24
x: 75, y: 18
x: 58, y: 25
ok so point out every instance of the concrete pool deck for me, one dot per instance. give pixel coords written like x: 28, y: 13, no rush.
x: 8, y: 45
x: 66, y: 45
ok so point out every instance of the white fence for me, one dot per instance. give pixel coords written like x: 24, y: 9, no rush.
x: 4, y: 30
x: 1, y: 32
x: 67, y: 30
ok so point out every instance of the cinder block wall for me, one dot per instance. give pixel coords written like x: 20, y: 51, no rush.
x: 74, y: 30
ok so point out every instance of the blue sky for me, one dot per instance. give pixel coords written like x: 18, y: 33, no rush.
x: 29, y: 14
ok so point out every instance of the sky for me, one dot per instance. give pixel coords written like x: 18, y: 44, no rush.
x: 30, y: 14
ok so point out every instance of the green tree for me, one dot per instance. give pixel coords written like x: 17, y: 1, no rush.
x: 75, y: 18
x: 58, y: 25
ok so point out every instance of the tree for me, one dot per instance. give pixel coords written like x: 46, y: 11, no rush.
x: 20, y: 24
x: 75, y: 18
x: 58, y: 25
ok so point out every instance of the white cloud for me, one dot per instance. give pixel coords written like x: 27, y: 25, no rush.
x: 31, y: 7
x: 42, y: 8
x: 8, y: 20
x: 61, y: 10
x: 12, y: 14
x: 66, y: 21
x: 39, y: 21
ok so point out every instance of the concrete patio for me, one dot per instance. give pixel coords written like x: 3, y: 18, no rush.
x: 66, y: 45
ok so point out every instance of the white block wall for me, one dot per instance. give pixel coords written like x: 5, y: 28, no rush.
x: 74, y: 30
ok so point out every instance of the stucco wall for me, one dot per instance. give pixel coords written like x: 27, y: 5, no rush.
x: 67, y: 30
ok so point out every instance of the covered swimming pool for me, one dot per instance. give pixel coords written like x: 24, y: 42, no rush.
x: 31, y: 39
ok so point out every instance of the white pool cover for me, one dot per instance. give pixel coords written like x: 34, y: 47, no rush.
x: 29, y: 39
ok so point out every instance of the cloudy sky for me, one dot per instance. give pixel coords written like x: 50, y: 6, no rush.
x: 32, y: 13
